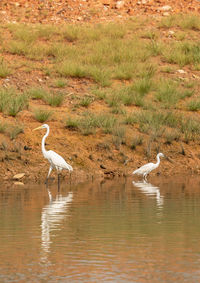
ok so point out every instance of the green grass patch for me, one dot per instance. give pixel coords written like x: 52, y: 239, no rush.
x: 86, y: 101
x: 182, y: 53
x: 137, y: 140
x: 42, y: 115
x: 12, y: 102
x: 169, y: 94
x: 194, y: 105
x: 4, y: 69
x: 60, y: 83
x: 54, y: 99
x: 37, y: 93
x: 14, y: 131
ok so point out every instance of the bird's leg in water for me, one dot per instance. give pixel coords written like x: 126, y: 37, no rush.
x: 50, y: 169
x: 58, y: 182
x: 145, y: 177
x: 70, y: 177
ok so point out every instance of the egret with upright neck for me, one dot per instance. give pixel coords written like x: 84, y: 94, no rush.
x: 147, y: 168
x: 56, y: 161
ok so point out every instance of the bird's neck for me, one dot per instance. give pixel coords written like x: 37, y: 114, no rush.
x: 158, y: 160
x: 43, y: 141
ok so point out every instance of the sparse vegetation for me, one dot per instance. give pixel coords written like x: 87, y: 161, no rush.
x: 14, y: 131
x: 42, y: 115
x: 54, y: 99
x: 12, y: 102
x: 86, y: 101
x: 194, y: 105
x: 126, y: 76
x: 4, y: 69
x: 137, y: 140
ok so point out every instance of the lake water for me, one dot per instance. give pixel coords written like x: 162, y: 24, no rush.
x: 113, y: 231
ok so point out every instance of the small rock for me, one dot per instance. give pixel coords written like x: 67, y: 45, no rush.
x: 27, y: 148
x: 166, y: 14
x: 166, y: 8
x: 19, y: 183
x: 19, y: 176
x: 181, y: 71
x: 171, y: 32
x: 102, y: 166
x: 79, y: 19
x: 120, y: 4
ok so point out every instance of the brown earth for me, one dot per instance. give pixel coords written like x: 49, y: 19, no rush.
x: 62, y: 11
x: 86, y: 154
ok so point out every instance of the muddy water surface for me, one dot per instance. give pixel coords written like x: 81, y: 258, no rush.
x: 115, y: 231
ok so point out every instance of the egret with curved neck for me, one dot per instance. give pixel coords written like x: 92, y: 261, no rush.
x: 147, y: 168
x: 56, y: 161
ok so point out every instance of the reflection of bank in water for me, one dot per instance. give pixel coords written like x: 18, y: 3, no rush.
x: 150, y: 190
x: 52, y: 215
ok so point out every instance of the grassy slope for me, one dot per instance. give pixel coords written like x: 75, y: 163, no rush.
x: 114, y: 90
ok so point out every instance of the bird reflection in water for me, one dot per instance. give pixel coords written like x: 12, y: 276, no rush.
x: 150, y: 190
x: 51, y: 218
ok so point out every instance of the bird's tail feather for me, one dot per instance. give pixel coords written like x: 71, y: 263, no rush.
x: 69, y: 167
x: 135, y: 172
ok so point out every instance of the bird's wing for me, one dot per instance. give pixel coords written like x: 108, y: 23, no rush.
x: 57, y: 160
x: 145, y: 168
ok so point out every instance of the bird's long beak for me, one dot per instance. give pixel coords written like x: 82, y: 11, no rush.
x: 38, y: 128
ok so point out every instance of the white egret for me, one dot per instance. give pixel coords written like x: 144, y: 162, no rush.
x: 56, y: 161
x: 147, y: 168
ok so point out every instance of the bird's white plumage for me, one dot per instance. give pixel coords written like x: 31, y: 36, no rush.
x: 56, y: 161
x: 147, y: 168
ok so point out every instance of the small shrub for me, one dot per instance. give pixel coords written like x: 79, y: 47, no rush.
x: 71, y: 124
x: 14, y: 131
x: 99, y: 93
x: 138, y: 140
x: 3, y: 127
x: 119, y: 133
x: 16, y: 104
x: 12, y: 102
x: 106, y: 122
x: 154, y: 48
x: 190, y: 22
x: 71, y: 33
x: 168, y: 94
x: 172, y: 135
x: 42, y: 115
x: 4, y: 70
x: 143, y: 86
x: 60, y: 83
x: 168, y: 22
x: 54, y: 99
x: 85, y: 101
x: 118, y: 110
x: 130, y: 119
x: 37, y: 93
x: 194, y: 105
x: 87, y: 124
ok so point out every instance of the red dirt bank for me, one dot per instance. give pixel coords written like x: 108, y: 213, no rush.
x: 62, y: 11
x: 88, y: 159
